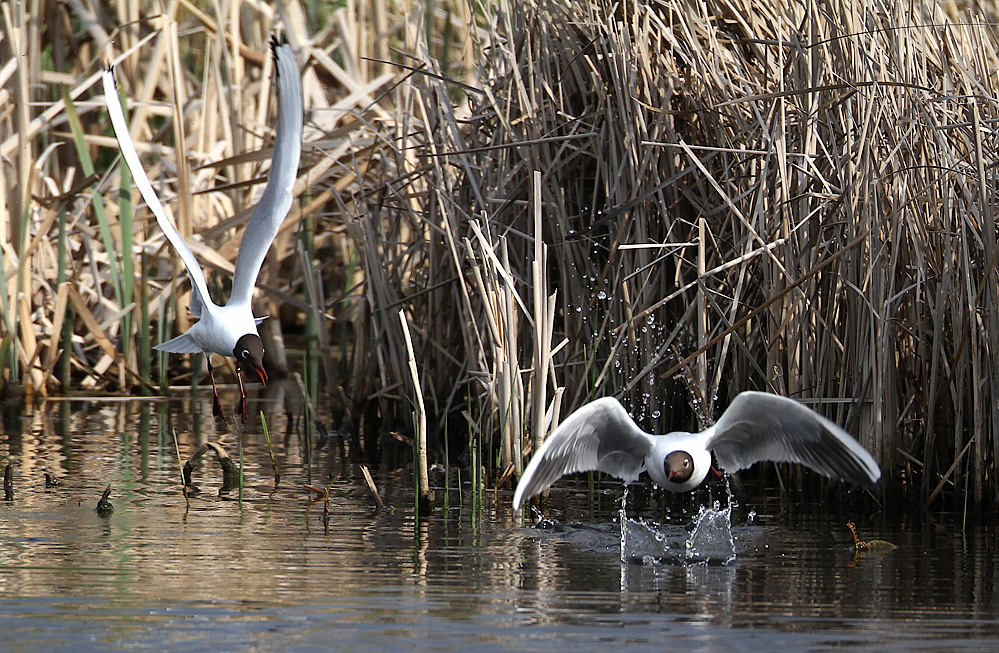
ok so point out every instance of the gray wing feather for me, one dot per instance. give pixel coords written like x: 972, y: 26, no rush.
x: 276, y: 200
x: 761, y: 426
x: 600, y: 436
x: 182, y: 344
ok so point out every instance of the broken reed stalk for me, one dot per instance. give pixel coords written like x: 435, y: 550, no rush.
x: 230, y: 473
x: 104, y: 506
x: 372, y: 487
x: 420, y: 469
x: 184, y: 476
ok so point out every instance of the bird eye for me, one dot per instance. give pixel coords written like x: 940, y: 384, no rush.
x: 246, y: 353
x: 686, y: 462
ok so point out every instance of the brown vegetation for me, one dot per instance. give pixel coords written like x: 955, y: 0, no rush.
x: 666, y: 201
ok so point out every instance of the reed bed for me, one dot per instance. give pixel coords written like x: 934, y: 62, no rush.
x: 666, y: 201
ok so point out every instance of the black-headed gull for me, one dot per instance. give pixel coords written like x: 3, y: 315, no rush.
x: 757, y: 426
x: 231, y: 329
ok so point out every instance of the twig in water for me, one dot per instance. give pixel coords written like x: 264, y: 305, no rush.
x: 324, y: 494
x: 104, y: 506
x: 860, y: 546
x: 184, y: 477
x: 230, y: 472
x: 371, y: 486
x: 8, y: 482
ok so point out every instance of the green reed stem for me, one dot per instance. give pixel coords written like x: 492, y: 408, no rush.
x: 270, y: 450
x: 144, y: 344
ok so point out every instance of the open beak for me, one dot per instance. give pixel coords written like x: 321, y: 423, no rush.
x: 261, y: 372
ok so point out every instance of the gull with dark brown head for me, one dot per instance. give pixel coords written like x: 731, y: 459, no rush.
x: 757, y: 426
x: 230, y: 329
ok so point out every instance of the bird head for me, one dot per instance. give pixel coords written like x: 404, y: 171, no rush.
x: 249, y: 350
x: 679, y: 466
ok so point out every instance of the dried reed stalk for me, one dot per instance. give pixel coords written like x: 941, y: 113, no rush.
x: 730, y: 195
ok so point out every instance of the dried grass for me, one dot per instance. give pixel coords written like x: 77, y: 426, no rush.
x: 667, y: 201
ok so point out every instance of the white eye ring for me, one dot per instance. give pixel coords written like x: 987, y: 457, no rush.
x: 246, y: 353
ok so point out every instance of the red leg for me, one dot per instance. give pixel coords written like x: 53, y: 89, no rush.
x: 242, y: 393
x: 216, y: 404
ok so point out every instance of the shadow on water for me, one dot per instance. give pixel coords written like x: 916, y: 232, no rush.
x: 210, y: 576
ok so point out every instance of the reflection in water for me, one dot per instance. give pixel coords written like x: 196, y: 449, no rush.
x: 209, y: 575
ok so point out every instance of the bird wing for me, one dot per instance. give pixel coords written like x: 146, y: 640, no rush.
x: 762, y: 426
x: 199, y: 294
x: 599, y: 436
x: 270, y: 212
x: 182, y: 344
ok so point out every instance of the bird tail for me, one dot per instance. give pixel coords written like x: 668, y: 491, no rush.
x: 182, y: 344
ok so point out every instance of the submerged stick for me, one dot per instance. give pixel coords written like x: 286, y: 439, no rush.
x: 371, y: 486
x: 8, y: 482
x: 104, y: 506
x: 183, y: 477
x: 860, y: 546
x: 324, y: 494
x: 230, y: 472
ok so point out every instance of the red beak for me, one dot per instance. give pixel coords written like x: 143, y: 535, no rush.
x: 261, y: 372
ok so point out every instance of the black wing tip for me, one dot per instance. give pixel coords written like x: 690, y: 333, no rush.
x: 277, y: 40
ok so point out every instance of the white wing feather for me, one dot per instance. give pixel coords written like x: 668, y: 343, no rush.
x: 199, y: 296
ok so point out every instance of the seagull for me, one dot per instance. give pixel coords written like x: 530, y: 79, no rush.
x: 757, y: 426
x: 230, y: 329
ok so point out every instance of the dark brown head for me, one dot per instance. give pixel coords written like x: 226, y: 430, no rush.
x: 249, y: 351
x: 679, y: 466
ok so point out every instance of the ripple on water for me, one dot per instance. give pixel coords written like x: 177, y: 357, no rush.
x: 163, y: 574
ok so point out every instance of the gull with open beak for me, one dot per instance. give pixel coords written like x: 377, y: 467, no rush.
x: 230, y: 329
x: 757, y: 426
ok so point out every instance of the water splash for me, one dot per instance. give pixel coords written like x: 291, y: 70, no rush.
x: 708, y: 539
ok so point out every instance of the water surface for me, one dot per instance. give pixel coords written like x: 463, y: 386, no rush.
x: 209, y: 575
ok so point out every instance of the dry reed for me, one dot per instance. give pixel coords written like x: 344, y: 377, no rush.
x: 666, y: 201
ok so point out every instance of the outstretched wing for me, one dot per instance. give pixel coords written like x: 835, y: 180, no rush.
x: 762, y: 426
x: 199, y: 293
x: 599, y: 436
x: 276, y: 199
